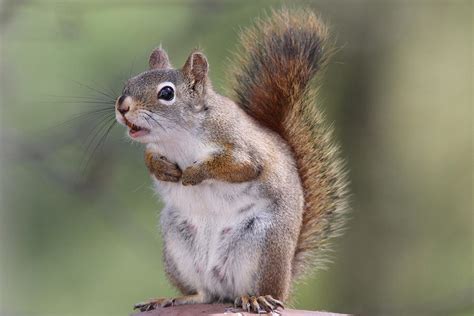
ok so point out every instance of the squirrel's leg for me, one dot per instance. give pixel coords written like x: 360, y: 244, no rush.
x: 274, y: 280
x: 223, y: 166
x: 166, y: 302
x: 161, y: 168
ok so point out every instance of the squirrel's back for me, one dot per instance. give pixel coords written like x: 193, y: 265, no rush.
x: 274, y: 72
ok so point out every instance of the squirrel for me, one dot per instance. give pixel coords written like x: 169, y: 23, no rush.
x: 253, y: 186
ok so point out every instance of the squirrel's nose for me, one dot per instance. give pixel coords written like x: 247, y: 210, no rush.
x: 122, y: 107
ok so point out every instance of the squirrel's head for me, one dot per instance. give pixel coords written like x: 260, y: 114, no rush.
x: 156, y: 102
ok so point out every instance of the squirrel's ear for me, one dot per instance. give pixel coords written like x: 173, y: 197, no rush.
x: 195, y: 70
x: 159, y: 59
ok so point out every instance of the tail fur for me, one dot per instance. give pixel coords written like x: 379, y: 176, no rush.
x: 274, y: 83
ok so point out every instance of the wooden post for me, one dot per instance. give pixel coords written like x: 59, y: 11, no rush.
x: 223, y: 309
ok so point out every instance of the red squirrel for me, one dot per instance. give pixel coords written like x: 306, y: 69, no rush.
x: 253, y: 185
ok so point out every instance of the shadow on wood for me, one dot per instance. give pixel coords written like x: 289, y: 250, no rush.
x: 222, y: 309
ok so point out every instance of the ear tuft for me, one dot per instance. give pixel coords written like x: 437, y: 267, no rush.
x: 196, y: 69
x: 159, y: 59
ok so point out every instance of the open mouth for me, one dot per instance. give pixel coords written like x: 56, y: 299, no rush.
x: 135, y: 130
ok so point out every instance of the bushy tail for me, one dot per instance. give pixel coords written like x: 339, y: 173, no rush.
x: 274, y: 83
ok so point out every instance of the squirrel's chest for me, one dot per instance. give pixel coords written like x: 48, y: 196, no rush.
x: 210, y: 197
x: 209, y: 234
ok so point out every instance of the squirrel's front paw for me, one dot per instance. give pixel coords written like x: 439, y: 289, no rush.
x: 193, y: 175
x: 162, y: 168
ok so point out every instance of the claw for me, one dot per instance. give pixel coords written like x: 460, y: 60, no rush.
x: 274, y: 301
x: 245, y: 303
x: 145, y: 306
x: 153, y: 304
x: 254, y: 304
x: 238, y: 302
x: 258, y: 304
x: 266, y: 305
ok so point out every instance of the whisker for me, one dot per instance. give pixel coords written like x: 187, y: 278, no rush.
x: 108, y: 96
x: 98, y: 103
x: 104, y: 126
x: 95, y: 118
x: 93, y: 133
x: 107, y: 87
x: 148, y: 122
x: 95, y: 114
x: 152, y: 118
x: 108, y: 127
x: 83, y: 97
x: 90, y: 113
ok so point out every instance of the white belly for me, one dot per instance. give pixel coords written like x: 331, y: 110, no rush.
x: 209, y: 230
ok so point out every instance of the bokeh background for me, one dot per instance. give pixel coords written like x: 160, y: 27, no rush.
x: 78, y: 217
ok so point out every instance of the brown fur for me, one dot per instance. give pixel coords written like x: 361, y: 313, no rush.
x: 161, y: 168
x: 273, y: 75
x: 220, y: 167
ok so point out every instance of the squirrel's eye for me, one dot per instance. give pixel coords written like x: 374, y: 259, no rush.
x: 166, y: 93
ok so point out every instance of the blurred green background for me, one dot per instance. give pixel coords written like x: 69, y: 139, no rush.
x: 78, y: 236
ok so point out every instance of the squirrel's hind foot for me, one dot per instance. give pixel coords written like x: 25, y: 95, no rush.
x: 166, y: 302
x: 258, y: 304
x: 154, y: 304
